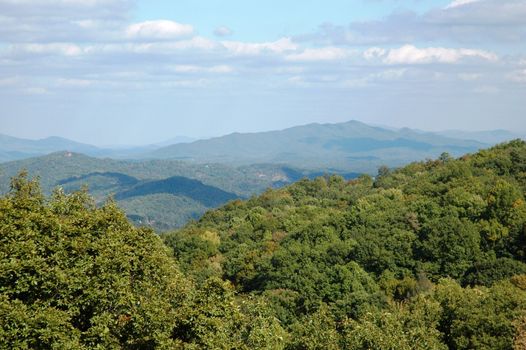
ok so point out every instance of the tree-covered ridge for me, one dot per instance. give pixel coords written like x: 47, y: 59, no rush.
x: 429, y: 256
x: 74, y: 276
x: 434, y: 252
x: 162, y: 194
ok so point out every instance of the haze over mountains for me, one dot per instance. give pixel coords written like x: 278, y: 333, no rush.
x: 351, y: 146
x: 165, y: 186
x: 160, y: 193
x: 13, y: 148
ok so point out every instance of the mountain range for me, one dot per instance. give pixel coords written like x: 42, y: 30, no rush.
x: 166, y: 186
x: 14, y: 148
x: 163, y: 194
x: 350, y: 146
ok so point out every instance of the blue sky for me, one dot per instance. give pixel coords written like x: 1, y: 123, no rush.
x: 272, y: 19
x: 137, y: 72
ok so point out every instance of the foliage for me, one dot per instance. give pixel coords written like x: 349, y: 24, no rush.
x: 162, y: 194
x: 428, y: 256
x: 349, y: 251
x: 73, y: 275
x: 402, y: 326
x: 480, y: 317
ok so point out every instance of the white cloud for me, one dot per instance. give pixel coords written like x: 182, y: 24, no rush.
x: 199, y: 69
x: 37, y: 7
x: 241, y: 48
x: 409, y: 54
x: 9, y: 82
x: 356, y: 83
x: 223, y: 31
x: 389, y: 74
x: 458, y: 3
x: 36, y: 91
x: 195, y: 83
x: 80, y: 3
x: 466, y: 22
x: 115, y: 54
x: 374, y: 53
x: 64, y: 49
x: 486, y: 90
x: 158, y: 30
x: 74, y: 83
x: 319, y: 54
x: 156, y: 47
x: 469, y: 76
x: 518, y: 76
x: 196, y: 42
x: 62, y: 20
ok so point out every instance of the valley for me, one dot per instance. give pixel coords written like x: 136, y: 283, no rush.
x: 164, y: 188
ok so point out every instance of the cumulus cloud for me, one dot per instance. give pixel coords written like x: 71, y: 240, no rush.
x: 243, y: 48
x: 158, y: 30
x: 61, y: 20
x: 37, y: 8
x: 374, y: 52
x: 158, y: 48
x: 222, y: 31
x: 486, y: 90
x: 199, y: 69
x: 74, y: 83
x: 462, y: 21
x: 457, y: 3
x: 518, y: 76
x: 469, y: 76
x: 35, y: 91
x: 9, y: 81
x: 409, y: 54
x: 319, y: 54
x: 87, y: 47
x: 64, y: 49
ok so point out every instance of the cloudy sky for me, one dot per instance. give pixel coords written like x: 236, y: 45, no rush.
x: 137, y: 72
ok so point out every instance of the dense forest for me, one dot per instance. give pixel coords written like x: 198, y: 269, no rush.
x: 428, y: 256
x: 163, y: 194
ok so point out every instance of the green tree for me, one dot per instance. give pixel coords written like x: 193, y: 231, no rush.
x: 76, y: 276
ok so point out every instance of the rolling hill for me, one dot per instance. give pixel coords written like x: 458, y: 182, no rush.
x: 161, y: 193
x: 162, y: 204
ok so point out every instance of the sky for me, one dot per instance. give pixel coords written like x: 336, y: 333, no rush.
x: 124, y: 72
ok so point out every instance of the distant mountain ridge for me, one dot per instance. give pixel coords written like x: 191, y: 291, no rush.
x: 488, y: 136
x: 351, y: 146
x: 13, y: 148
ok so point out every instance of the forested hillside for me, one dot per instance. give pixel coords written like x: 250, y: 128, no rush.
x: 163, y: 194
x: 428, y: 256
x: 65, y: 167
x: 74, y: 276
